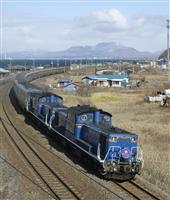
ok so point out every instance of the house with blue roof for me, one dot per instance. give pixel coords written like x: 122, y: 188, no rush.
x: 106, y: 80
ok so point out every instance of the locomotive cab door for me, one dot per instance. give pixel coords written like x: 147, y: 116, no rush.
x: 103, y: 143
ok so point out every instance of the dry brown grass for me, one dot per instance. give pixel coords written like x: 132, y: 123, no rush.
x: 150, y: 121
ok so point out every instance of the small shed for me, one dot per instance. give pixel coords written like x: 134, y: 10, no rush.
x: 72, y: 87
x: 107, y: 80
x: 62, y: 83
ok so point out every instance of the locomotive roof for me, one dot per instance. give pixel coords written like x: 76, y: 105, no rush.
x: 112, y: 130
x: 117, y: 130
x: 80, y: 109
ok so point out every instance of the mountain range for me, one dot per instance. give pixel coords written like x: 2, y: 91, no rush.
x: 102, y: 50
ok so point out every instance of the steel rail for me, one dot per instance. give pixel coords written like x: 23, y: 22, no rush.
x: 42, y: 162
x: 115, y: 193
x: 143, y: 189
x: 138, y: 189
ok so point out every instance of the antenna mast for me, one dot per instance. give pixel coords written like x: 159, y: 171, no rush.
x: 168, y: 43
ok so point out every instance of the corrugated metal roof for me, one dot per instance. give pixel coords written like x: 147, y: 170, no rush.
x: 3, y: 70
x: 76, y: 84
x: 63, y: 81
x: 107, y: 76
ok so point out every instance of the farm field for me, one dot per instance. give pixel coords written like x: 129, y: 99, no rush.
x: 130, y: 112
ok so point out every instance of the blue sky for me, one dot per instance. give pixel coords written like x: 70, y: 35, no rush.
x: 59, y: 25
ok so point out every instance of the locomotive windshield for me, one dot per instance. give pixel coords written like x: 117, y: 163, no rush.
x: 100, y: 119
x: 105, y: 120
x: 87, y: 118
x: 51, y: 99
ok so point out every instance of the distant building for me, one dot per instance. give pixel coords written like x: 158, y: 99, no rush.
x: 72, y: 87
x: 104, y: 71
x: 40, y: 67
x: 67, y: 86
x: 3, y: 72
x: 162, y: 64
x: 153, y: 63
x: 105, y: 80
x: 18, y: 68
x: 62, y: 83
x: 74, y: 67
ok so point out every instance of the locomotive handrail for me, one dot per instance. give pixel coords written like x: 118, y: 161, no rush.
x: 104, y: 160
x: 84, y: 142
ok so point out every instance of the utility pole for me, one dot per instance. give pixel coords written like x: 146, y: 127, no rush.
x: 25, y: 65
x: 57, y: 62
x: 52, y: 63
x: 64, y: 65
x: 33, y: 62
x: 10, y: 64
x: 168, y: 43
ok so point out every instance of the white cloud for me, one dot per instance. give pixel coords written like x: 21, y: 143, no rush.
x: 106, y: 20
x: 112, y: 16
x: 143, y: 32
x: 151, y: 20
x: 139, y: 21
x: 33, y: 32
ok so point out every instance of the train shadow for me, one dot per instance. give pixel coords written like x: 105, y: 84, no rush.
x: 57, y: 145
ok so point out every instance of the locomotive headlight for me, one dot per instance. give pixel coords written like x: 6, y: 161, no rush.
x: 114, y: 139
x: 134, y: 139
x: 125, y: 153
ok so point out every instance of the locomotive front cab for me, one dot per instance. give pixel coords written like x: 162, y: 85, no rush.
x: 123, y: 155
x: 44, y: 105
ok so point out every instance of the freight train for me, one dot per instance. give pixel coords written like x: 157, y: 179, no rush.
x: 113, y: 152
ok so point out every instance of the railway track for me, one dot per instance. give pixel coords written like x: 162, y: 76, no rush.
x: 136, y: 191
x: 52, y: 182
x: 26, y: 147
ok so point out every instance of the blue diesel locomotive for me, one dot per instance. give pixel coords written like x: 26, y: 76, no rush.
x: 114, y: 152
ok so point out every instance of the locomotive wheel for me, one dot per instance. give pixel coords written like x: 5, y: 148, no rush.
x: 101, y: 171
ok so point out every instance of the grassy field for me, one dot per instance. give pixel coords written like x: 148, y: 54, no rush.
x: 150, y: 121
